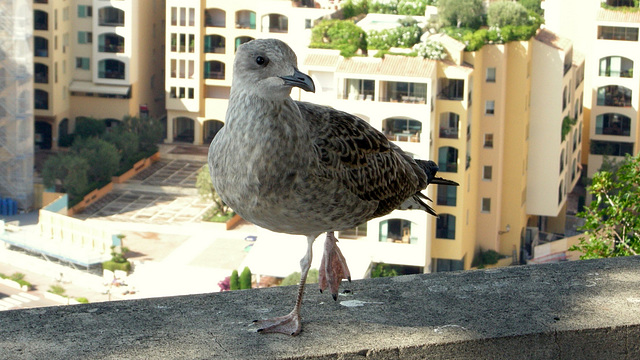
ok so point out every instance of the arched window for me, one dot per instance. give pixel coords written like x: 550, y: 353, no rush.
x: 41, y: 46
x: 245, y: 19
x: 214, y: 70
x: 561, y: 160
x: 40, y: 99
x: 111, y: 43
x: 40, y: 73
x: 446, y: 226
x: 398, y: 231
x: 110, y: 16
x: 275, y: 23
x: 111, y: 69
x: 614, y: 95
x: 448, y: 159
x: 616, y: 66
x: 449, y: 125
x: 613, y: 124
x: 211, y: 128
x: 402, y: 129
x: 40, y: 20
x: 241, y: 40
x: 215, y: 18
x: 214, y: 44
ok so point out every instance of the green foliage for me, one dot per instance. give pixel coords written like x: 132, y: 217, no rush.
x: 245, y: 279
x: 103, y: 158
x: 353, y: 8
x: 149, y: 130
x: 82, y: 300
x: 70, y: 169
x: 57, y: 289
x: 87, y: 127
x: 612, y: 224
x: 220, y: 212
x: 532, y: 5
x: 484, y: 258
x: 503, y: 13
x: 118, y: 260
x: 294, y: 278
x: 399, y: 7
x: 342, y: 35
x: 234, y: 281
x: 127, y: 145
x: 383, y: 270
x: 461, y: 13
x: 567, y: 124
x: 626, y: 9
x: 404, y: 36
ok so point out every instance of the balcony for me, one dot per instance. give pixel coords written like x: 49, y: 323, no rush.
x: 40, y: 73
x: 275, y: 23
x: 451, y: 89
x: 574, y: 310
x: 614, y: 95
x: 40, y: 99
x: 40, y: 20
x: 41, y: 46
x: 215, y: 18
x: 111, y: 43
x: 246, y: 19
x: 111, y: 69
x: 403, y: 92
x: 402, y: 129
x: 110, y: 16
x: 214, y: 70
x: 214, y: 44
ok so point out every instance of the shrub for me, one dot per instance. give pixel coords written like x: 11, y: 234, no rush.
x: 89, y: 127
x: 225, y: 284
x: 118, y: 260
x: 353, y: 8
x: 383, y: 270
x: 294, y: 278
x: 245, y: 279
x: 234, y: 281
x: 57, y: 289
x: 82, y: 300
x: 503, y: 13
x: 103, y: 158
x: 431, y: 49
x: 342, y: 35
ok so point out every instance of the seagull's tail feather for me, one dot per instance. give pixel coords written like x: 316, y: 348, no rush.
x: 415, y: 203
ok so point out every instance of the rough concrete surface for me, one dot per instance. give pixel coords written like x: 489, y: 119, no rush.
x: 576, y: 310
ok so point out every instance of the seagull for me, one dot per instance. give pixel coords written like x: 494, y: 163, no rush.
x: 300, y: 168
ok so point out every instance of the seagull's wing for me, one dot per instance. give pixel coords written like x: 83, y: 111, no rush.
x: 362, y: 158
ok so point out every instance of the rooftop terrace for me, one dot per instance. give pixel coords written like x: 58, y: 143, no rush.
x: 572, y: 310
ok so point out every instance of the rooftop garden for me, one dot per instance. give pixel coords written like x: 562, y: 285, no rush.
x: 463, y: 20
x: 622, y: 5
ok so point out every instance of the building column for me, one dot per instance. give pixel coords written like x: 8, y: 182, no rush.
x: 197, y: 132
x: 169, y: 135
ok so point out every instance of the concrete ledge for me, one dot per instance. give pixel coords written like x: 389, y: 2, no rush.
x: 575, y: 310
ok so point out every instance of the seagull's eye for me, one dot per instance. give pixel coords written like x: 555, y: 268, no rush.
x: 262, y: 61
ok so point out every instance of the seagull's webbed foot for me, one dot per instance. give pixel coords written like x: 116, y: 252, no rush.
x: 333, y: 267
x: 289, y: 324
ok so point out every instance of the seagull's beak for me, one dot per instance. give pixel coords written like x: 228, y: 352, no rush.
x: 301, y: 80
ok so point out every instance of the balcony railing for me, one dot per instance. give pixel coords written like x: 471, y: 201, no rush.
x: 111, y: 74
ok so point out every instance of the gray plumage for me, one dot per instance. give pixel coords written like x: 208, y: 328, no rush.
x: 300, y: 168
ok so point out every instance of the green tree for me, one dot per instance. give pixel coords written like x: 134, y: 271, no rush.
x: 234, y: 281
x: 149, y: 130
x: 207, y: 192
x: 503, y: 13
x: 103, y: 158
x: 87, y: 127
x: 352, y: 8
x: 612, y: 220
x: 127, y: 144
x: 461, y: 13
x: 245, y: 279
x: 342, y: 35
x: 294, y: 278
x: 70, y: 170
x: 383, y: 270
x: 532, y: 5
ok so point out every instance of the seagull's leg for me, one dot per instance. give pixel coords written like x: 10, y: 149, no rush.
x: 290, y: 324
x: 333, y: 267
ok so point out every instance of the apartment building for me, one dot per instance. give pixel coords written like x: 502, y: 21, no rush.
x: 96, y: 58
x: 608, y: 35
x: 16, y: 96
x: 202, y: 37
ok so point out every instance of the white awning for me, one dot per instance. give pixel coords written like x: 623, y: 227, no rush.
x: 89, y: 87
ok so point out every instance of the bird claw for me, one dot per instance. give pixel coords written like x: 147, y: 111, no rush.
x: 288, y: 324
x: 333, y: 267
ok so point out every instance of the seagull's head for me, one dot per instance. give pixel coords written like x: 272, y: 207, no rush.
x: 268, y: 68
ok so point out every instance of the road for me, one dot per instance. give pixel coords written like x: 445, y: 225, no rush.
x: 17, y: 299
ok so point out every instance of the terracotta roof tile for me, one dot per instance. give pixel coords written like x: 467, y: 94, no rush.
x: 618, y: 16
x: 548, y: 37
x: 324, y: 59
x: 392, y: 65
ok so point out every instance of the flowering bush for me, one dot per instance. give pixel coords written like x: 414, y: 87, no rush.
x: 431, y: 49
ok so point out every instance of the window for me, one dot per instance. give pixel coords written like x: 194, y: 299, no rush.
x: 214, y: 44
x: 405, y: 92
x: 192, y: 42
x: 275, y: 23
x: 614, y: 95
x: 402, y: 129
x: 85, y: 37
x: 489, y: 107
x: 215, y: 18
x: 611, y: 148
x: 399, y: 231
x: 190, y: 93
x: 447, y: 195
x: 446, y: 226
x: 617, y: 33
x: 448, y: 159
x: 487, y: 172
x: 486, y: 205
x: 307, y: 24
x: 488, y: 141
x: 192, y: 17
x: 82, y: 63
x: 173, y: 93
x: 491, y: 75
x: 451, y: 89
x: 85, y: 11
x: 183, y: 16
x: 616, y: 66
x: 174, y: 16
x: 245, y: 19
x: 174, y: 42
x: 449, y: 125
x: 359, y: 89
x: 560, y: 192
x: 562, y: 161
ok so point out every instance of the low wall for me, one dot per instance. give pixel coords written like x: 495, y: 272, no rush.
x: 586, y: 309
